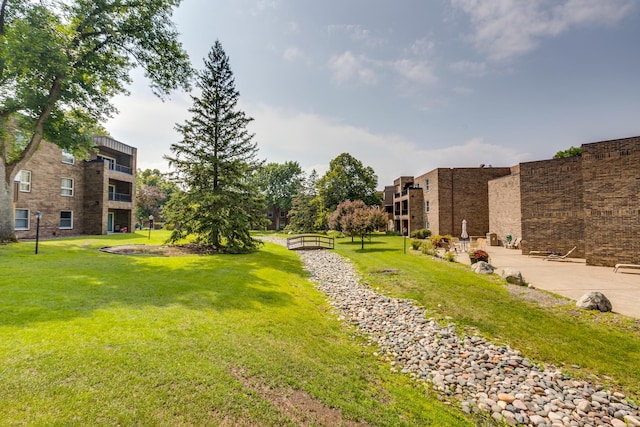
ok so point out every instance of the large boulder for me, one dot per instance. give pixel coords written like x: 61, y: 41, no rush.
x: 594, y: 301
x: 482, y: 267
x: 513, y: 276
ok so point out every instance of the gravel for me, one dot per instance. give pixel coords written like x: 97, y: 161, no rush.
x: 494, y: 380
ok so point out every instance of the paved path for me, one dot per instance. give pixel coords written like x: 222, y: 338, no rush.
x: 572, y: 278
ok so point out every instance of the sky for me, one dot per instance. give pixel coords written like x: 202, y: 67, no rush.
x: 407, y: 86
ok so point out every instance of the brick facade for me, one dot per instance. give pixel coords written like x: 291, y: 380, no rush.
x: 452, y: 195
x: 552, y: 206
x: 611, y: 176
x: 505, y: 216
x: 102, y: 199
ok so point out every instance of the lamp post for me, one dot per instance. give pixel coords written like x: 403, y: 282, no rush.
x: 38, y: 216
x: 150, y: 225
x: 404, y: 237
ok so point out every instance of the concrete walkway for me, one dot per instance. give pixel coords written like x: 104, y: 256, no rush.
x: 571, y: 278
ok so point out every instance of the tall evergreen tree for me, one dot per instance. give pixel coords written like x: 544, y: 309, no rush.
x: 214, y: 162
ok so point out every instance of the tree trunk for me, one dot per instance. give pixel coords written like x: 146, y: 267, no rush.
x: 276, y: 212
x: 6, y: 206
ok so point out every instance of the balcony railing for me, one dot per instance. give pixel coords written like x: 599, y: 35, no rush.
x: 121, y: 168
x: 120, y: 197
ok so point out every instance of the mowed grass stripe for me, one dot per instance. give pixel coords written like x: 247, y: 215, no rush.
x: 90, y: 338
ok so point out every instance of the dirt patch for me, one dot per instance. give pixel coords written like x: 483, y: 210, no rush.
x: 542, y: 298
x: 161, y: 250
x: 297, y: 405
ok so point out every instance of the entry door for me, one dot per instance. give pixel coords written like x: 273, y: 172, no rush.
x: 110, y: 222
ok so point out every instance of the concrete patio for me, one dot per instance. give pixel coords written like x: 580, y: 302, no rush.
x: 571, y: 278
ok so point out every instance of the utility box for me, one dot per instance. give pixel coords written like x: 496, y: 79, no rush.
x: 492, y: 239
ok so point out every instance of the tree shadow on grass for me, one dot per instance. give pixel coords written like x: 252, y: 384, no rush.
x: 66, y: 283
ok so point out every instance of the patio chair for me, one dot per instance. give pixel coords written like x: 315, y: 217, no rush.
x: 515, y: 244
x: 554, y: 257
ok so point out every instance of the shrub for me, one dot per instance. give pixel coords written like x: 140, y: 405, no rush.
x: 392, y: 233
x: 415, y: 244
x: 423, y: 233
x: 478, y: 255
x: 427, y: 248
x: 449, y: 256
x: 439, y: 241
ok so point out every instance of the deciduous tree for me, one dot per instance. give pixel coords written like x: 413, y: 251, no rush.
x: 215, y: 163
x: 280, y: 183
x: 62, y: 61
x: 347, y: 179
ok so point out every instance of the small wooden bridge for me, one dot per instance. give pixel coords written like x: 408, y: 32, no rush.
x: 309, y: 241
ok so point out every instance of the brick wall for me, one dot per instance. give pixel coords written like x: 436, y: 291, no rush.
x: 552, y: 206
x: 504, y: 205
x: 430, y: 194
x: 611, y: 174
x: 47, y: 171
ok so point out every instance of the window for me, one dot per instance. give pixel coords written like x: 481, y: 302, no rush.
x: 108, y: 160
x: 67, y: 157
x: 67, y: 187
x: 426, y: 206
x: 426, y: 185
x: 66, y: 220
x: 25, y: 181
x: 270, y: 215
x: 281, y: 214
x: 427, y: 225
x: 22, y: 219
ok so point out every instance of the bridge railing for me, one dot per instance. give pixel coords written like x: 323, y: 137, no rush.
x: 309, y: 241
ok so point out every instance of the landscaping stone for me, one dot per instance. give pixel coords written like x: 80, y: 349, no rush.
x: 594, y: 301
x: 492, y: 379
x: 482, y: 267
x: 513, y: 276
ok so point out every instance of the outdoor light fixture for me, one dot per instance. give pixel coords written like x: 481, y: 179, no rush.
x: 150, y: 225
x: 38, y: 217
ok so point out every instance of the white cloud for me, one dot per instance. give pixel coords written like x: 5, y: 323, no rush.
x: 314, y: 140
x: 347, y: 68
x: 421, y: 47
x: 416, y: 71
x: 357, y: 33
x: 507, y: 28
x: 293, y: 53
x: 476, y: 69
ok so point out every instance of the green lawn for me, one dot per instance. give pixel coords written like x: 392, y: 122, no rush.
x: 605, y: 345
x: 89, y: 338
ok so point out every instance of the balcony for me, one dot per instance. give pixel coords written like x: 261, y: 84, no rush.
x: 120, y: 197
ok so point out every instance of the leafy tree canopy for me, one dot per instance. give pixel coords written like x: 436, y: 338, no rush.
x: 280, y: 182
x: 61, y: 62
x: 569, y: 152
x: 347, y: 179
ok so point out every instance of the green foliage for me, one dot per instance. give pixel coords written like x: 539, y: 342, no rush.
x: 449, y: 256
x: 356, y: 219
x: 62, y: 62
x: 347, y: 179
x: 423, y: 233
x: 153, y: 189
x: 415, y: 244
x: 569, y: 152
x: 215, y: 162
x: 280, y: 183
x: 427, y: 248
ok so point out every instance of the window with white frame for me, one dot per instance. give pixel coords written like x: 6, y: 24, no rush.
x: 426, y: 185
x: 66, y: 187
x: 67, y: 157
x: 22, y: 219
x: 66, y: 220
x: 25, y: 181
x: 426, y: 206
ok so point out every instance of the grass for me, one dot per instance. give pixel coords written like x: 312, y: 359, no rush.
x: 603, y: 346
x: 90, y: 338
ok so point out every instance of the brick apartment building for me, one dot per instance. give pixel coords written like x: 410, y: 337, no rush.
x: 591, y: 202
x: 76, y: 196
x: 440, y: 199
